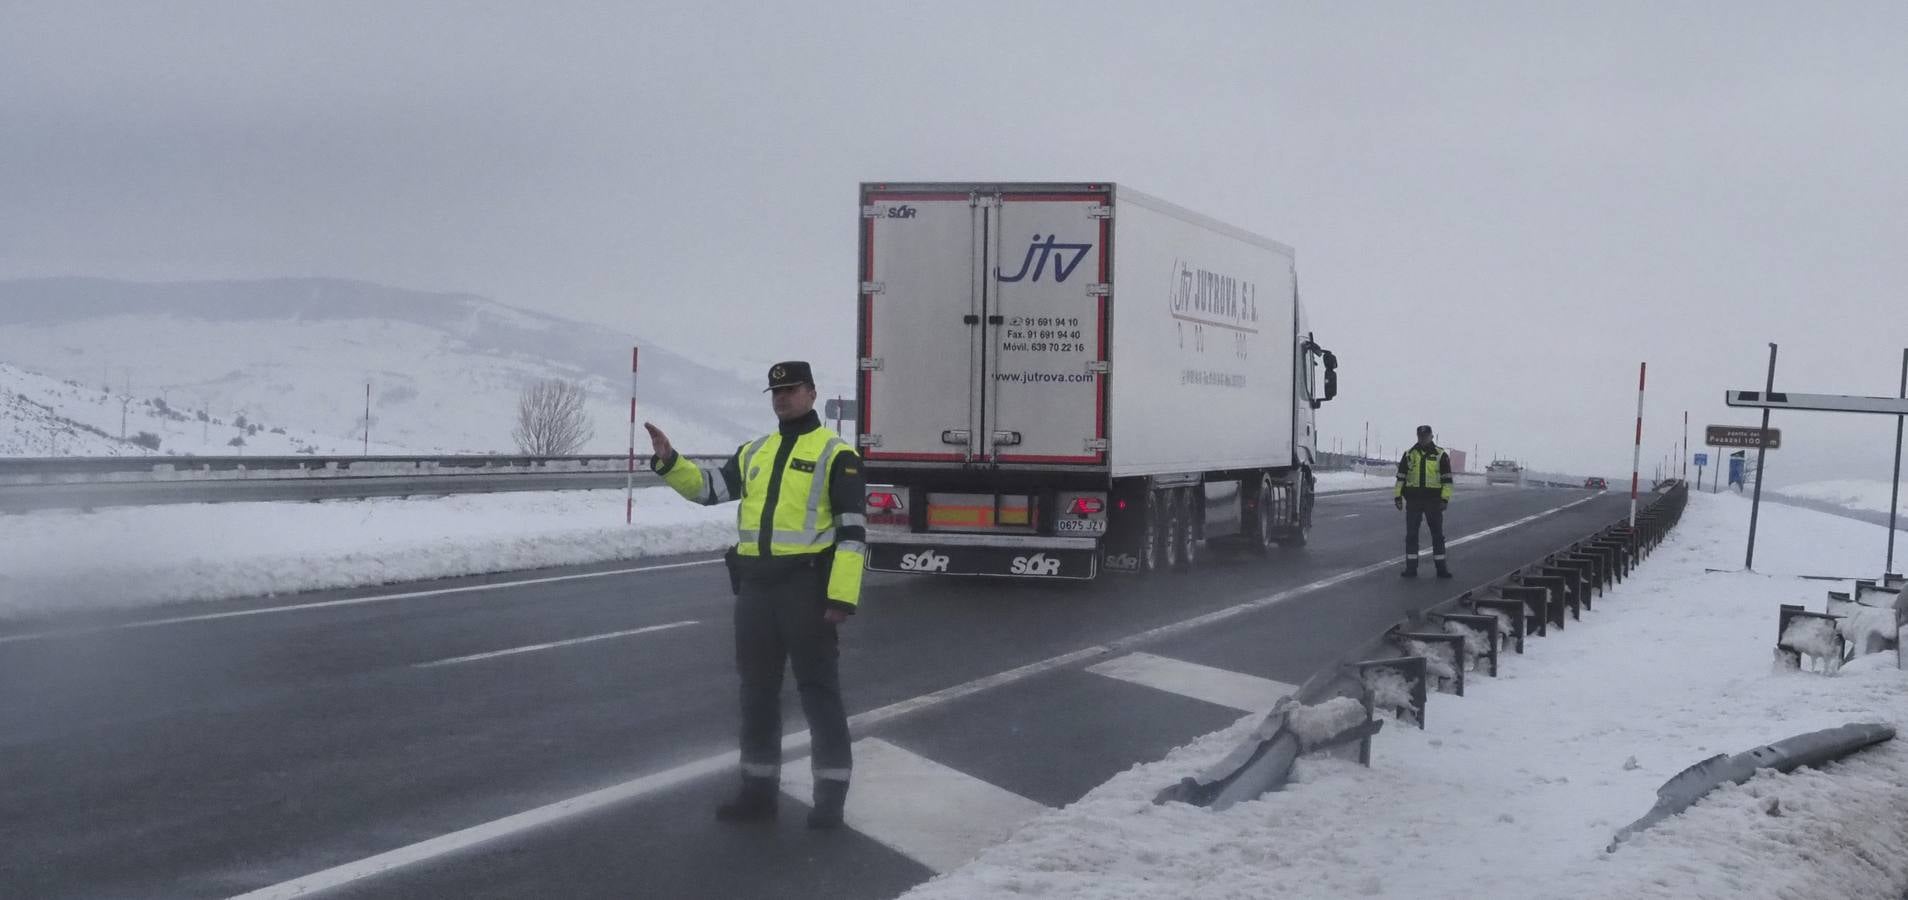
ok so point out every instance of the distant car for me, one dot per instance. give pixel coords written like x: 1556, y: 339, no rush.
x: 1596, y: 484
x: 1504, y: 471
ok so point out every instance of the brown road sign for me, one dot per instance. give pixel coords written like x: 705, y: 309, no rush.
x: 1740, y: 436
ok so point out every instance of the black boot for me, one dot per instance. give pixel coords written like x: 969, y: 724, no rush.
x: 1443, y: 572
x: 830, y: 796
x: 1410, y: 571
x: 756, y: 802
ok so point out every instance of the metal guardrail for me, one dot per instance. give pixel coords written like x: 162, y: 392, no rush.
x: 74, y: 469
x: 1432, y: 650
x: 87, y: 482
x: 1812, y: 749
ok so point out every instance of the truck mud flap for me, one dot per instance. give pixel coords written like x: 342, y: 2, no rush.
x: 1002, y: 562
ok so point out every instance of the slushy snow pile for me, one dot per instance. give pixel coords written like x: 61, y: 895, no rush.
x: 1339, y: 482
x: 59, y: 562
x: 1516, y: 789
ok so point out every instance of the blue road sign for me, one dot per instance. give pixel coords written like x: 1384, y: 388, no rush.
x: 1702, y: 459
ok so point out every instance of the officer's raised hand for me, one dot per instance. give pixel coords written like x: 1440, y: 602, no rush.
x: 659, y: 442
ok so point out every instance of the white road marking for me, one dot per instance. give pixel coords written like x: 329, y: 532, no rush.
x: 1349, y: 516
x: 552, y: 645
x: 937, y: 816
x: 1246, y: 693
x: 349, y: 601
x: 792, y: 744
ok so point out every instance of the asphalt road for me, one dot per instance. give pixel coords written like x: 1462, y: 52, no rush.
x: 245, y: 745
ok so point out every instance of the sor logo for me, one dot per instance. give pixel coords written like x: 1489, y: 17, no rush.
x: 1046, y: 249
x: 1037, y: 564
x: 1122, y: 562
x: 900, y: 212
x: 924, y: 561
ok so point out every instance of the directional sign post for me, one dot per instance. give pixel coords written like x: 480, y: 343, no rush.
x: 1894, y: 492
x: 1755, y: 506
x: 838, y: 409
x: 1770, y: 399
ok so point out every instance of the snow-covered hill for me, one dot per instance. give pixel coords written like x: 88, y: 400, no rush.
x: 444, y: 369
x: 45, y: 416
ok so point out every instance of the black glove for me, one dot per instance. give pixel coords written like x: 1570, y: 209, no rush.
x: 1398, y: 502
x: 1443, y: 505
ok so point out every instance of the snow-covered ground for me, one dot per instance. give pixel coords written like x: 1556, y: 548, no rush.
x: 1870, y: 496
x: 1339, y: 482
x: 1516, y: 789
x: 60, y: 562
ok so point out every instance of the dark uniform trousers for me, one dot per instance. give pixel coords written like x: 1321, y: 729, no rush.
x: 778, y: 624
x: 1428, y: 507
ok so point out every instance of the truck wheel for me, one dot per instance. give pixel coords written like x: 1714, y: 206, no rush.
x: 1259, y: 526
x: 1170, y: 521
x: 1299, y: 532
x: 1152, y: 522
x: 1188, y: 534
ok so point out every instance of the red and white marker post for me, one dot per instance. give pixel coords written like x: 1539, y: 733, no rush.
x: 629, y: 481
x: 1636, y: 456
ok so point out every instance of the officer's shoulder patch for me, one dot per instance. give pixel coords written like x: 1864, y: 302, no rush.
x: 850, y: 470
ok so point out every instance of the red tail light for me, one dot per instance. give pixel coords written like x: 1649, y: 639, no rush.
x: 1087, y: 506
x: 883, y: 500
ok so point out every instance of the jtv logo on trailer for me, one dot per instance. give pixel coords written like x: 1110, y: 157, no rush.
x: 1043, y: 250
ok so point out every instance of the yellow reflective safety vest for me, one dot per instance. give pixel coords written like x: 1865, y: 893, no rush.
x: 802, y: 494
x: 1424, y: 470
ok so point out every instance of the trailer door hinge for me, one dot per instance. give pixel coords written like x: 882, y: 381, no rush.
x: 1098, y: 445
x: 1099, y: 211
x: 873, y: 287
x: 1099, y: 365
x: 1099, y: 289
x: 871, y: 364
x: 983, y: 201
x: 868, y: 440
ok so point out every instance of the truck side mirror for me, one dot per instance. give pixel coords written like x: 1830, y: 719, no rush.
x: 1331, y: 378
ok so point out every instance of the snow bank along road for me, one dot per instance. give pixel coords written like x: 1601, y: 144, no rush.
x: 415, y: 746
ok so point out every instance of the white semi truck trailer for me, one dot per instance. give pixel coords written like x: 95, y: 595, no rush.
x: 1056, y: 379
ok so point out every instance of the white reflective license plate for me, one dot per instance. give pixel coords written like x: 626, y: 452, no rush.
x: 1079, y: 526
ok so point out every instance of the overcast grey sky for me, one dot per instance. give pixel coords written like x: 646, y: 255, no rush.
x: 1499, y: 209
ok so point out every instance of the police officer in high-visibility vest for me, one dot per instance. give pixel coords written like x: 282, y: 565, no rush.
x: 796, y: 570
x: 1423, y: 491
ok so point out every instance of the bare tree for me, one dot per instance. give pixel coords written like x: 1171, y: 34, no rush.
x: 551, y: 420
